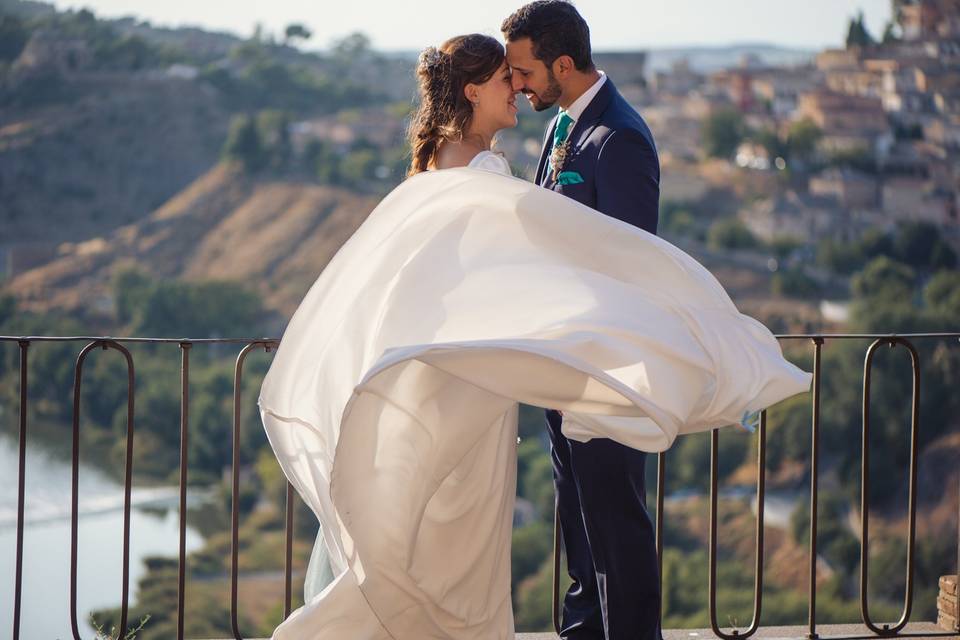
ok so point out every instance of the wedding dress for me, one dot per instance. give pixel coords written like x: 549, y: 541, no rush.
x: 392, y: 400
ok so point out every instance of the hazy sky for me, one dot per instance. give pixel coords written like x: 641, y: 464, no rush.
x: 614, y: 24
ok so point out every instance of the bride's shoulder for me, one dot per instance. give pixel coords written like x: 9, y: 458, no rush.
x: 491, y: 161
x: 455, y: 154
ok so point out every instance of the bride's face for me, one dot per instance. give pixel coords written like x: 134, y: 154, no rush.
x: 495, y: 101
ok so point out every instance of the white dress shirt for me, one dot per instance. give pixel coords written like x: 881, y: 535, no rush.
x: 580, y: 105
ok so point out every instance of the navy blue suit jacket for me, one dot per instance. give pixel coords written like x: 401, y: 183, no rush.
x: 612, y: 148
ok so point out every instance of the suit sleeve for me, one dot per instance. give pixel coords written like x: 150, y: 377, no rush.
x: 628, y: 179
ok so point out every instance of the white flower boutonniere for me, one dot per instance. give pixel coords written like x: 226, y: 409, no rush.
x: 559, y: 156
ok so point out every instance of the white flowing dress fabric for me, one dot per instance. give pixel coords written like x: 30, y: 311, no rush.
x: 392, y: 400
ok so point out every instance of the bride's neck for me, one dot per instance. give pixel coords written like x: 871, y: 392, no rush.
x: 476, y: 135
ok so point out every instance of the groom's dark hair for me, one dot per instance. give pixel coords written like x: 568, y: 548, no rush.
x: 555, y: 28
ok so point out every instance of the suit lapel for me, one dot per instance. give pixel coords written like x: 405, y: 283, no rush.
x: 591, y: 115
x: 545, y: 149
x: 582, y: 129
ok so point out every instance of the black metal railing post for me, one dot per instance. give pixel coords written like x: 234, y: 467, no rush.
x: 21, y: 478
x: 814, y: 469
x: 75, y: 483
x: 661, y: 492
x: 555, y: 609
x: 235, y: 485
x: 184, y: 435
x: 712, y: 545
x: 886, y: 629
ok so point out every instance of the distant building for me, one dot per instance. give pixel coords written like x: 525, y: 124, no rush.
x: 679, y: 81
x: 183, y: 71
x: 343, y: 130
x: 837, y: 60
x: 918, y: 199
x: 848, y: 122
x: 792, y: 214
x: 738, y: 85
x: 676, y: 123
x: 926, y: 19
x: 780, y: 89
x: 851, y: 189
x: 628, y: 68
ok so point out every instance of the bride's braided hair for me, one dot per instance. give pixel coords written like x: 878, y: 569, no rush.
x: 444, y: 112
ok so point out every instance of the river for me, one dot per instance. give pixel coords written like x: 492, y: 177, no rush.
x: 45, y: 609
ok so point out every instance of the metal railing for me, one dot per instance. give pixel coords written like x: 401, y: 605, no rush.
x: 884, y: 630
x: 248, y: 345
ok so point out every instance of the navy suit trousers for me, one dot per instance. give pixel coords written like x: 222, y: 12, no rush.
x: 609, y: 539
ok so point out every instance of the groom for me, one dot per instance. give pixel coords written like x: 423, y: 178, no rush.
x: 599, y: 152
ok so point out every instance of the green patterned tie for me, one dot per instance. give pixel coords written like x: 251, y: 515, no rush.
x: 563, y: 127
x: 560, y: 134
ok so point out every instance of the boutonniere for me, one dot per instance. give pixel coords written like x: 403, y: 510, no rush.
x: 558, y: 156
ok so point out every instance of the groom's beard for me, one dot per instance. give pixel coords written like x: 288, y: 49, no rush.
x: 550, y: 95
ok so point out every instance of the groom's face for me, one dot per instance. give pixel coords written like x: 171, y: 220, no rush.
x: 531, y: 76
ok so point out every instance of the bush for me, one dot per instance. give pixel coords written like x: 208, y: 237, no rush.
x: 730, y: 233
x: 244, y: 145
x: 794, y: 283
x: 13, y: 37
x: 885, y: 278
x: 723, y: 131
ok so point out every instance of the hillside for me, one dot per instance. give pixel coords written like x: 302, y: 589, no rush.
x: 113, y: 148
x: 274, y: 235
x: 102, y: 121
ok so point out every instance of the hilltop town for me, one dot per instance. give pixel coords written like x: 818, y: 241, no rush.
x: 771, y: 169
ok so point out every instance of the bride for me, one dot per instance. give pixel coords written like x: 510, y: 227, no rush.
x: 392, y: 400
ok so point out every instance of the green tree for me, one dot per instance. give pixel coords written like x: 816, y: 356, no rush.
x: 839, y: 256
x: 889, y: 34
x: 8, y: 306
x: 359, y: 166
x: 206, y: 309
x: 532, y: 544
x: 919, y: 245
x: 352, y: 47
x: 13, y: 37
x: 886, y: 278
x: 273, y: 129
x: 730, y: 233
x: 296, y: 31
x: 788, y: 431
x: 243, y: 144
x: 321, y: 160
x: 723, y: 131
x: 802, y: 139
x: 857, y: 34
x: 130, y: 288
x: 794, y: 283
x: 942, y: 294
x: 875, y: 243
x: 783, y: 246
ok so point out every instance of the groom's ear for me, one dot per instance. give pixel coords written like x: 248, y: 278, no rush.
x: 563, y: 66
